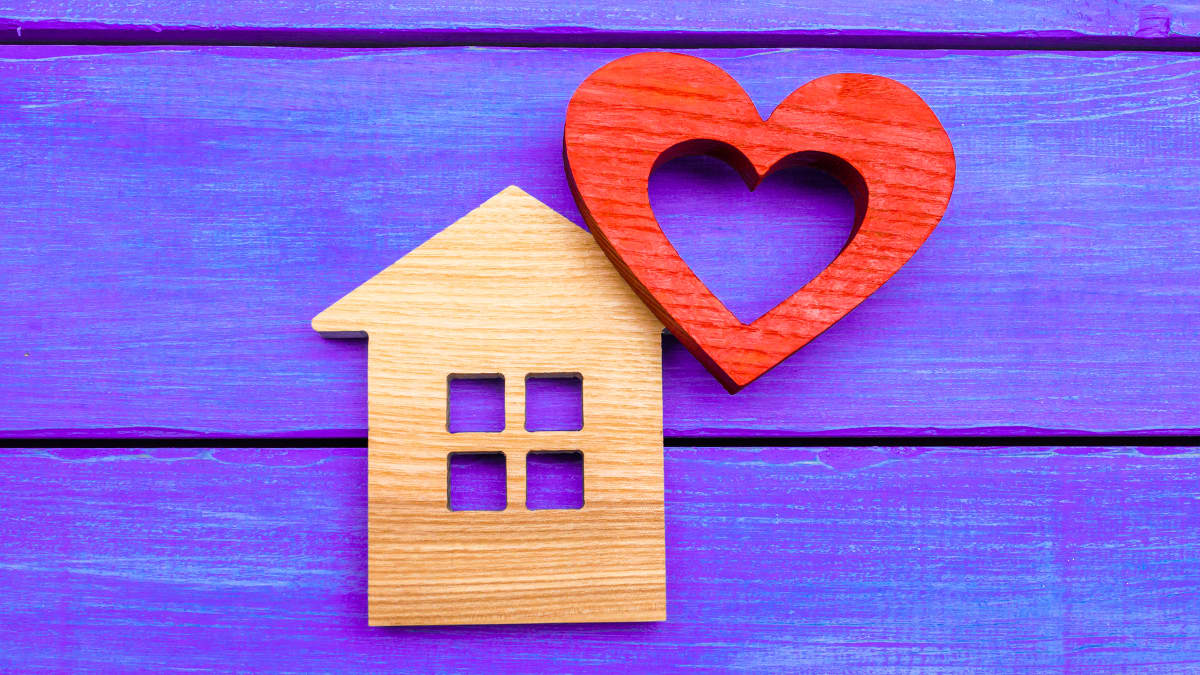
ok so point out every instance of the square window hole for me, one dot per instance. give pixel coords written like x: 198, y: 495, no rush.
x: 475, y: 403
x: 476, y: 481
x: 554, y: 402
x: 554, y: 480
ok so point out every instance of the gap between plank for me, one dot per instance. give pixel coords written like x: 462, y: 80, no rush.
x: 14, y: 32
x: 1109, y: 440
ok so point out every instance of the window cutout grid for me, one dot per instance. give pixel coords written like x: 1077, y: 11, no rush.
x: 554, y: 480
x: 476, y: 481
x: 553, y: 402
x: 475, y: 402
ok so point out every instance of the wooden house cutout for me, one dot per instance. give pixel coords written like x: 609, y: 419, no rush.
x: 512, y: 289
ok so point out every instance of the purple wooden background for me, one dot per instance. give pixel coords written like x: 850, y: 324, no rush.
x: 682, y: 23
x: 172, y: 216
x: 833, y: 560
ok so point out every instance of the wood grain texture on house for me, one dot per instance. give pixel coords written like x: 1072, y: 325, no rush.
x: 871, y: 560
x: 516, y: 290
x: 245, y: 189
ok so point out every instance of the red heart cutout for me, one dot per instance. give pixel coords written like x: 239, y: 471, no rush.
x: 872, y: 133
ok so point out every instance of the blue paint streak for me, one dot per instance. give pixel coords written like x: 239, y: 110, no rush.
x: 554, y: 403
x: 477, y: 481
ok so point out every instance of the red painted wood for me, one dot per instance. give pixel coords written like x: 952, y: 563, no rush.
x: 874, y: 134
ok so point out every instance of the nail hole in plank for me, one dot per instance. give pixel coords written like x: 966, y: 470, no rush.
x: 554, y: 402
x: 475, y: 402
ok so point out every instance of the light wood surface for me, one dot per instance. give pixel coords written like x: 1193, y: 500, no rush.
x: 512, y: 288
x: 872, y: 133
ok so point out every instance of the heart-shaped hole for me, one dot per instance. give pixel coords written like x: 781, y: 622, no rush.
x: 752, y: 249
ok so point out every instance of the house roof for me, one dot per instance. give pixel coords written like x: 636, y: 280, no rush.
x: 512, y: 261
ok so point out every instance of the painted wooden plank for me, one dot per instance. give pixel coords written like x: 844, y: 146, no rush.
x: 779, y: 560
x: 173, y: 218
x: 898, y: 22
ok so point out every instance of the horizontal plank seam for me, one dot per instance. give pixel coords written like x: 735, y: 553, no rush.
x: 16, y: 32
x: 1109, y: 440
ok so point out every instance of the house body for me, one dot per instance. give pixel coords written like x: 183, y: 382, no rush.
x: 512, y: 289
